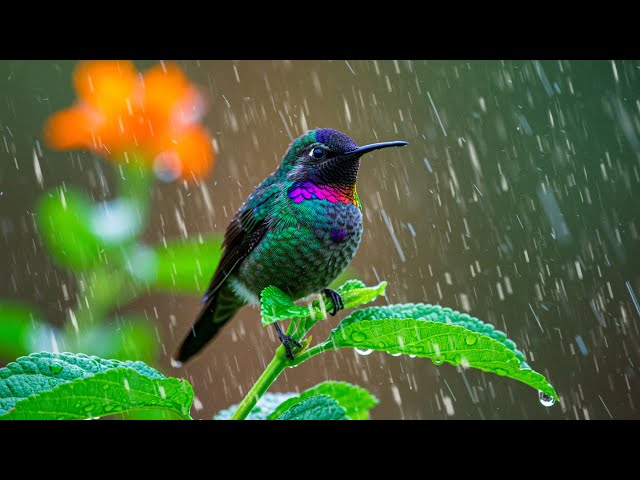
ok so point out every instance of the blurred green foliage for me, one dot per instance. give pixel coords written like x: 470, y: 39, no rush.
x: 99, y: 242
x: 17, y: 323
x: 187, y: 266
x: 63, y: 221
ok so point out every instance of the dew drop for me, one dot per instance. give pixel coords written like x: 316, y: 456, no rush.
x: 456, y: 359
x: 55, y: 368
x: 358, y: 337
x: 364, y: 352
x: 471, y: 339
x: 437, y: 360
x: 395, y: 354
x: 546, y: 400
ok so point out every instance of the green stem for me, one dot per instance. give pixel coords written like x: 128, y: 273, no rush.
x: 312, y: 352
x: 270, y: 374
x: 273, y: 371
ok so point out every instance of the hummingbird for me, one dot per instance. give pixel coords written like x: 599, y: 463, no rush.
x: 298, y: 231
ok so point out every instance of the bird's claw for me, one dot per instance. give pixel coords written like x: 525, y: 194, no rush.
x: 335, y: 297
x: 287, y: 340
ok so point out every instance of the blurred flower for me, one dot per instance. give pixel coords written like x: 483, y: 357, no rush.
x: 121, y: 113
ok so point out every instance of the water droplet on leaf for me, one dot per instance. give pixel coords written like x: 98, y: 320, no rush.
x: 55, y: 368
x: 456, y: 359
x: 546, y: 400
x: 358, y: 337
x: 437, y: 360
x: 471, y: 339
x: 364, y: 352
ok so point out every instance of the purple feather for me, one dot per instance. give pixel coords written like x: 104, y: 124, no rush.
x: 337, y: 235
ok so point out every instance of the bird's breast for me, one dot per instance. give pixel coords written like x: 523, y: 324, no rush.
x: 307, y: 247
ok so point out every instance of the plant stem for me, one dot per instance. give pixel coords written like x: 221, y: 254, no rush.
x: 270, y: 374
x: 273, y: 371
x: 297, y: 329
x: 312, y: 352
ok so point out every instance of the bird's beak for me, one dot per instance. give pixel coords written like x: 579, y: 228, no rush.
x: 374, y: 146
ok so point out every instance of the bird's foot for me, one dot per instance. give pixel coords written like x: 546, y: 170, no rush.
x: 287, y: 341
x: 335, y: 297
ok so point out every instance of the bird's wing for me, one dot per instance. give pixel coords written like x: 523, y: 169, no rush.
x: 246, y: 229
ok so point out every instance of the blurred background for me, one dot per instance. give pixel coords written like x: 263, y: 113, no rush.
x: 516, y: 201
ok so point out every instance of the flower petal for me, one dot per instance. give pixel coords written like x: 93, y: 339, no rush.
x: 72, y: 128
x: 164, y: 88
x: 107, y: 85
x: 120, y: 111
x: 193, y: 147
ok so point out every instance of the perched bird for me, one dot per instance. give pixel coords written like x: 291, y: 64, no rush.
x: 298, y: 230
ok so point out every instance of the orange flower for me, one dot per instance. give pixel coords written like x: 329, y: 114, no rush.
x: 121, y: 112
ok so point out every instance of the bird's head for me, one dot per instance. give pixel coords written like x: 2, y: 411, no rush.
x: 327, y: 157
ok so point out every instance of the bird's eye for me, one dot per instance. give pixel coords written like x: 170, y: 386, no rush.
x: 317, y: 153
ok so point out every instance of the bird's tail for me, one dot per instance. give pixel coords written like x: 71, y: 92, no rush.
x: 217, y: 310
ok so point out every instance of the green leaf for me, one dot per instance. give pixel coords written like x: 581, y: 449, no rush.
x: 316, y: 407
x: 265, y: 407
x: 140, y: 414
x: 354, y: 294
x: 355, y: 400
x: 186, y: 266
x: 63, y: 218
x: 351, y: 284
x: 275, y: 305
x: 439, y: 333
x: 17, y: 325
x: 46, y: 386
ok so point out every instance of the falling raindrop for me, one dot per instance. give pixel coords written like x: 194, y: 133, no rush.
x: 546, y: 400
